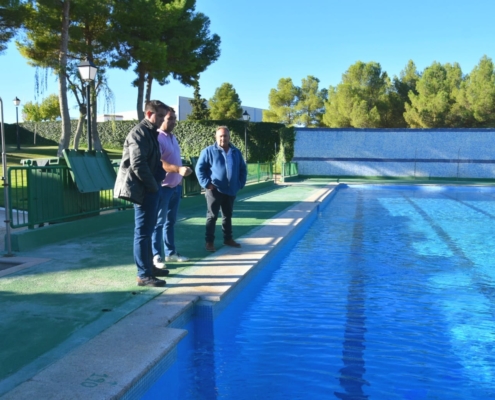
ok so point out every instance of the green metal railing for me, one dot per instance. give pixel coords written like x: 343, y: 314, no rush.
x: 289, y: 169
x: 190, y: 184
x: 40, y: 195
x: 259, y: 172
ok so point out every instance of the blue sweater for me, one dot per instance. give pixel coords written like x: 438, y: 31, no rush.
x: 211, y: 168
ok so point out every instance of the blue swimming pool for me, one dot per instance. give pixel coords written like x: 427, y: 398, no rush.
x: 390, y: 294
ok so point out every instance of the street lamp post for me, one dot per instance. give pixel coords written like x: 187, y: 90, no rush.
x: 246, y: 117
x: 16, y: 103
x: 87, y: 70
x: 5, y: 179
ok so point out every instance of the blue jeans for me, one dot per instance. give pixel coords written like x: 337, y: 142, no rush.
x: 168, y: 206
x: 144, y: 223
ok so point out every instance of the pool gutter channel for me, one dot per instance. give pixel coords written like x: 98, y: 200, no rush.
x: 120, y: 364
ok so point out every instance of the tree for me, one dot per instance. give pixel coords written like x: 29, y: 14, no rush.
x: 48, y: 110
x: 191, y: 46
x: 475, y: 102
x: 407, y: 81
x: 225, y: 103
x: 310, y: 102
x: 11, y: 16
x: 92, y: 39
x: 282, y: 102
x: 32, y: 112
x: 137, y: 45
x: 399, y: 96
x: 86, y: 37
x: 180, y: 43
x: 433, y: 105
x: 361, y: 100
x: 118, y: 34
x: 62, y: 83
x: 200, y: 109
x: 46, y: 45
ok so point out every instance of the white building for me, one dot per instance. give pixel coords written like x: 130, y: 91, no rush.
x: 122, y: 116
x: 182, y: 108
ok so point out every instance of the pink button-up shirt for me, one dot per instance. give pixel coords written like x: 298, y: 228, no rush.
x: 170, y: 150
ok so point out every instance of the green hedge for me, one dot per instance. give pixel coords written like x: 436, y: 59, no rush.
x: 193, y: 136
x: 112, y: 133
x: 26, y: 136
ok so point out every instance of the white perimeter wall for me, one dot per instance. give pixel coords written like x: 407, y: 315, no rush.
x: 463, y: 153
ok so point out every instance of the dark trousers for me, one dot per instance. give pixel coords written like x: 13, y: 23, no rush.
x: 214, y: 202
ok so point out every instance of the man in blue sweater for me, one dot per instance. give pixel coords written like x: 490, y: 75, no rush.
x: 221, y: 170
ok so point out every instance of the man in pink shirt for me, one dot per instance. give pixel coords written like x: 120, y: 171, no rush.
x: 170, y: 193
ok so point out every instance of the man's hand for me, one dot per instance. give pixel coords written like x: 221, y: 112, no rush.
x: 210, y: 186
x: 185, y: 171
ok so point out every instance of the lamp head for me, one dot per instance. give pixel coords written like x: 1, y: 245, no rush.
x: 17, y: 102
x: 87, y: 70
x: 246, y: 116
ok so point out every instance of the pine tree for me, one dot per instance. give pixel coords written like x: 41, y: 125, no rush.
x: 360, y: 100
x: 199, y: 106
x: 434, y: 105
x: 310, y: 103
x: 282, y: 102
x: 225, y: 103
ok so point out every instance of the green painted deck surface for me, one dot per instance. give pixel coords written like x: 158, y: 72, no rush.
x: 88, y: 282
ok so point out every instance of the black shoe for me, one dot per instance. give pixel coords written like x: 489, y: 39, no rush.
x: 150, y: 281
x: 231, y: 243
x: 160, y: 272
x: 209, y: 246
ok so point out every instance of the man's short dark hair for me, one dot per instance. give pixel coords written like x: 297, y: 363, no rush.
x: 155, y: 105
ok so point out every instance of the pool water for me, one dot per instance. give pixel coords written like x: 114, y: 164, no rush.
x: 389, y: 295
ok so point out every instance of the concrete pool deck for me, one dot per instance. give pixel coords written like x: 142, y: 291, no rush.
x: 73, y: 320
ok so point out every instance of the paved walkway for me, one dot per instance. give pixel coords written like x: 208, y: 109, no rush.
x: 66, y: 303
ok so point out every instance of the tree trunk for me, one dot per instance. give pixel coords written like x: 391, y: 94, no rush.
x: 140, y: 86
x: 77, y: 136
x: 94, y: 131
x: 149, y: 82
x: 62, y: 82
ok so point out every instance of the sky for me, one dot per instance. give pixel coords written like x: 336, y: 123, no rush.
x: 263, y: 41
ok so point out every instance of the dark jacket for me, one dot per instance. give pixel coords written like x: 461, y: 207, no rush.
x: 211, y: 168
x: 140, y: 164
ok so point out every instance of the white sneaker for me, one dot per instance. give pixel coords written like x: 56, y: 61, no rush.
x: 158, y: 262
x: 176, y: 258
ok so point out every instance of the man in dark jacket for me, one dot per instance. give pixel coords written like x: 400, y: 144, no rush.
x: 221, y: 170
x: 138, y: 179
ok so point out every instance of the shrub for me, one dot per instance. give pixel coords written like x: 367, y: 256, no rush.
x: 193, y: 136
